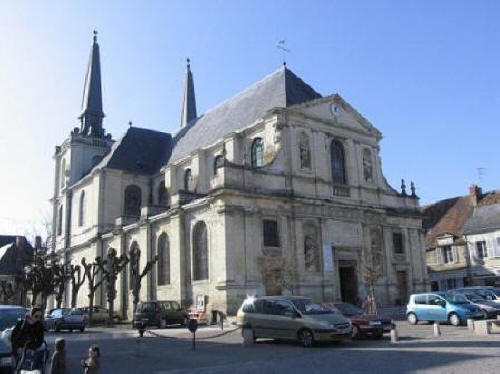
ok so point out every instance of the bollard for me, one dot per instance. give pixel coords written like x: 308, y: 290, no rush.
x: 248, y: 337
x: 437, y: 329
x: 470, y: 324
x: 394, y: 335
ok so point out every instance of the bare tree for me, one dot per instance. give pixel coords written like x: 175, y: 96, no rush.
x: 136, y: 274
x: 115, y: 266
x: 373, y: 270
x: 40, y: 276
x: 91, y: 271
x: 61, y: 277
x: 77, y: 277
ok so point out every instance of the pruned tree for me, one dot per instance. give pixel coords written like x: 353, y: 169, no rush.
x: 40, y: 276
x: 77, y: 277
x: 137, y: 274
x: 372, y: 270
x: 113, y: 268
x: 61, y: 277
x: 91, y: 271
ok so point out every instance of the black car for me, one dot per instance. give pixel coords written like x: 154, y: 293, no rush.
x: 159, y: 313
x: 9, y: 315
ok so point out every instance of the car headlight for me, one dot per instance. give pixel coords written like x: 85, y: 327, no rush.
x: 326, y: 324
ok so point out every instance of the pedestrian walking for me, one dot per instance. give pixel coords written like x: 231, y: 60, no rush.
x: 59, y: 357
x: 91, y: 364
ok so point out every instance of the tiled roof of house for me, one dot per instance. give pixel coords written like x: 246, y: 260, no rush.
x: 446, y: 217
x: 12, y: 259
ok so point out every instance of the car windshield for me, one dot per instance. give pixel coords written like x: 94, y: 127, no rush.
x: 455, y: 298
x: 349, y: 310
x: 9, y: 317
x: 306, y: 306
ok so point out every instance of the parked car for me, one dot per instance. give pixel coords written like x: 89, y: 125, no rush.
x: 65, y: 319
x: 292, y: 318
x: 487, y: 292
x: 363, y: 323
x: 9, y: 315
x: 490, y: 308
x: 160, y: 314
x: 99, y: 314
x: 441, y: 306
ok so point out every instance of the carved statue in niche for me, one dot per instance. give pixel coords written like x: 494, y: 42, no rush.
x: 304, y: 151
x: 367, y: 166
x: 311, y: 251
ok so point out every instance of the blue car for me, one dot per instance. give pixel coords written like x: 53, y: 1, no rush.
x: 442, y: 307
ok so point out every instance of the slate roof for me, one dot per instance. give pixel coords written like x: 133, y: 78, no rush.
x: 486, y: 216
x: 6, y: 239
x: 13, y: 260
x: 446, y: 217
x: 279, y: 89
x: 139, y: 151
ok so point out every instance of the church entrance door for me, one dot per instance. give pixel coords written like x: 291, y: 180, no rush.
x: 348, y: 283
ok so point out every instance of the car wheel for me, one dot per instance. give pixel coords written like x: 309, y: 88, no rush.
x: 454, y: 319
x: 306, y: 338
x: 412, y: 318
x: 82, y: 329
x: 356, y: 334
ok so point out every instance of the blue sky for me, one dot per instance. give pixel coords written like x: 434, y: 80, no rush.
x: 425, y: 73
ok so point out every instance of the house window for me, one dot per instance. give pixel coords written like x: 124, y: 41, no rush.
x: 397, y: 242
x: 304, y: 151
x: 59, y: 220
x: 218, y: 162
x: 482, y: 251
x: 447, y: 254
x: 200, y: 251
x: 257, y: 153
x: 187, y: 180
x: 338, y: 162
x: 82, y: 209
x: 132, y: 203
x: 271, y: 237
x: 311, y: 248
x: 163, y: 260
x: 162, y: 194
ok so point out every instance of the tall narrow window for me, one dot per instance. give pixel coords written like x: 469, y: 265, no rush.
x: 82, y: 209
x: 200, y: 251
x: 482, y: 251
x: 271, y: 236
x: 59, y: 220
x: 63, y: 173
x: 311, y: 249
x: 367, y: 166
x: 447, y: 254
x: 338, y: 162
x: 218, y: 162
x: 132, y: 203
x: 397, y: 242
x: 304, y: 151
x: 257, y: 153
x: 162, y: 194
x: 163, y: 260
x: 188, y: 180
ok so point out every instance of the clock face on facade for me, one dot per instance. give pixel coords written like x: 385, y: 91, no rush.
x: 335, y: 108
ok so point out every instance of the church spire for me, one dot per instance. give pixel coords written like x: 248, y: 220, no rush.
x: 92, y: 114
x: 188, y: 101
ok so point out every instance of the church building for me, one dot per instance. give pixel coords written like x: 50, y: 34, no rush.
x: 277, y: 190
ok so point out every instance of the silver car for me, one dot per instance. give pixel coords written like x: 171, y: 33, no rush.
x: 292, y: 318
x: 65, y: 319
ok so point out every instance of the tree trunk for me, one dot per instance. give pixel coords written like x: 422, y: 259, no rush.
x: 74, y: 295
x: 91, y: 305
x: 111, y: 306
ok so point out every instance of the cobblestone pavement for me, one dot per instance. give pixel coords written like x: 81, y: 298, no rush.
x: 456, y: 351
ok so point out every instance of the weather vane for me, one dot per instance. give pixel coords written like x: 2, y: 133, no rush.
x: 284, y: 50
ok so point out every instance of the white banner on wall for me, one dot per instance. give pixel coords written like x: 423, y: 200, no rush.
x: 328, y: 257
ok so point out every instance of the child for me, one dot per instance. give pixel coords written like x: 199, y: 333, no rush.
x: 91, y: 364
x: 59, y: 357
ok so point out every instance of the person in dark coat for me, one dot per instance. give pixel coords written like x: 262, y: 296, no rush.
x: 28, y: 333
x: 59, y: 357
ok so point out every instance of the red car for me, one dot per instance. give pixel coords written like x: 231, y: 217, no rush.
x: 363, y: 324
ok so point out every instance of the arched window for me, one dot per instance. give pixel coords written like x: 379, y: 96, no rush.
x: 338, y: 162
x: 257, y: 153
x: 134, y: 264
x: 132, y: 204
x: 163, y: 260
x: 367, y: 165
x: 200, y: 251
x: 59, y: 220
x: 218, y: 162
x: 63, y: 173
x: 162, y: 194
x: 312, y: 254
x: 187, y: 180
x: 82, y: 208
x: 304, y: 151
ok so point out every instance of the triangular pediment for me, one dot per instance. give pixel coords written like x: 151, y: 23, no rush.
x: 335, y: 110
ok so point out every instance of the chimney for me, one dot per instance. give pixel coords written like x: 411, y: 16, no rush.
x: 38, y: 242
x: 19, y: 242
x: 475, y: 194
